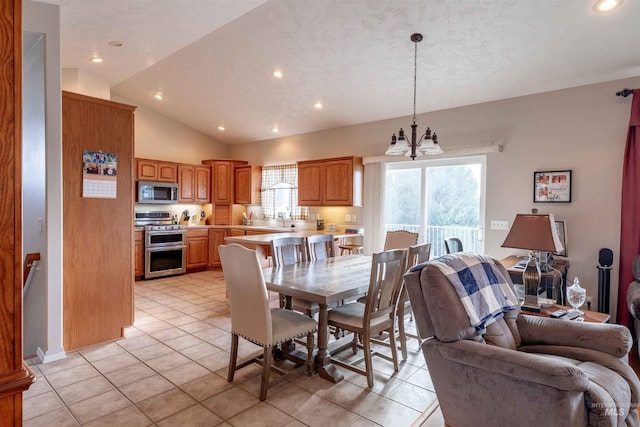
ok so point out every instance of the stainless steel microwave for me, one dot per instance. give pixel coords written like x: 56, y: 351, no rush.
x: 157, y: 192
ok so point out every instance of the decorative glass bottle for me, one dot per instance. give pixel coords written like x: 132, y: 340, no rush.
x: 576, y: 296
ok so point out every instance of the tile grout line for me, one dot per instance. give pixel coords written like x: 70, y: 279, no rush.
x: 211, y: 302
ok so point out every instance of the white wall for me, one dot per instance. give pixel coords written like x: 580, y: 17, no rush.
x: 161, y: 138
x: 582, y: 129
x: 33, y: 189
x: 79, y: 81
x: 43, y: 320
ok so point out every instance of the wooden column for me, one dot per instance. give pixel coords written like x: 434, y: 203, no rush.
x: 15, y: 377
x: 98, y: 232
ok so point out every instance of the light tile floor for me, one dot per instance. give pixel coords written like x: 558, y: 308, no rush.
x: 171, y: 369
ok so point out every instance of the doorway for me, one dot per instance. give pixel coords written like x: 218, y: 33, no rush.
x: 437, y: 199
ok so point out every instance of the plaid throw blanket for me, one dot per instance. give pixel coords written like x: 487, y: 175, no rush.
x: 484, y: 291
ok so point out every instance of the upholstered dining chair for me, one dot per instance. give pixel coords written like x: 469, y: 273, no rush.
x: 417, y: 254
x: 452, y: 245
x: 376, y: 315
x: 320, y: 246
x: 287, y: 251
x: 253, y: 319
x: 400, y: 239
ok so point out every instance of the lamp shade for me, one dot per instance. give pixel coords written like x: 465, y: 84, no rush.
x: 533, y: 232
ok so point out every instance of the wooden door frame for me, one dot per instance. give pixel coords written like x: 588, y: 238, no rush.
x: 15, y: 377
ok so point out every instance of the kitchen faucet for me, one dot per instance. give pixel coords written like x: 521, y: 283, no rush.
x: 281, y: 216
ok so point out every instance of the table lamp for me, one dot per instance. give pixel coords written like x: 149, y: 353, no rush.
x: 535, y: 233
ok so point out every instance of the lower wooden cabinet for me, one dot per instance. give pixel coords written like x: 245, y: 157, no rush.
x: 197, y: 248
x: 138, y: 253
x: 216, y: 238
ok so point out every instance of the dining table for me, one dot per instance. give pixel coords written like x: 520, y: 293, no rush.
x: 326, y: 282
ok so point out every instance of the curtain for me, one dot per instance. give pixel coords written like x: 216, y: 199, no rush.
x: 281, y: 181
x: 630, y: 223
x: 374, y: 201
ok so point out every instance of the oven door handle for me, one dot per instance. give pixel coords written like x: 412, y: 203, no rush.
x: 165, y: 248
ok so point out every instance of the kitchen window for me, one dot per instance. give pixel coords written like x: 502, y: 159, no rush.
x: 280, y: 193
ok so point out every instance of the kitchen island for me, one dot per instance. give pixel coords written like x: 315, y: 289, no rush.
x: 261, y: 243
x: 202, y: 241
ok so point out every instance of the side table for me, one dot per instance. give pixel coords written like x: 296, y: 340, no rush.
x: 554, y: 281
x: 589, y: 316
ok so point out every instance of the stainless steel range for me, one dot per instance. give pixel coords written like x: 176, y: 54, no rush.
x: 165, y: 248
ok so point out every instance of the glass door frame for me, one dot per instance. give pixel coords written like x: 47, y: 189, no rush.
x: 452, y: 161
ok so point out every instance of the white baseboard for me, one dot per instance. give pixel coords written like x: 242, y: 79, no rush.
x: 47, y: 358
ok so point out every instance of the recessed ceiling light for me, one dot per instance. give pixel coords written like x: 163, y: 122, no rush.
x: 277, y: 74
x: 318, y: 105
x: 96, y: 59
x: 602, y: 6
x: 221, y: 127
x: 275, y: 129
x: 115, y: 43
x: 158, y: 95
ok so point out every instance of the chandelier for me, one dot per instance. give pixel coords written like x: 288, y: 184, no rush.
x: 428, y: 143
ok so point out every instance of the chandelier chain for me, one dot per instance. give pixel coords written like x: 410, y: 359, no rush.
x: 415, y: 77
x: 414, y: 146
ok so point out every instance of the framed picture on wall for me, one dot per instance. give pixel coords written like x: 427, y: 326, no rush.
x: 552, y: 187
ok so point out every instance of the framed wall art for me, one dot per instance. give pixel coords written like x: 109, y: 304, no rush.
x: 552, y: 187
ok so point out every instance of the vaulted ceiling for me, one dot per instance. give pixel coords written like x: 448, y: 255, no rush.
x: 212, y: 60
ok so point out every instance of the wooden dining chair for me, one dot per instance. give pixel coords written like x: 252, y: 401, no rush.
x: 376, y: 315
x: 287, y: 251
x: 321, y: 246
x: 253, y: 319
x: 417, y: 254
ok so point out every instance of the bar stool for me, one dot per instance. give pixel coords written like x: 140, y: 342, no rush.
x: 350, y: 249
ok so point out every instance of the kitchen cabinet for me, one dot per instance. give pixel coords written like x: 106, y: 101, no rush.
x: 138, y: 253
x: 156, y: 170
x: 216, y: 238
x: 222, y: 180
x: 331, y: 182
x: 202, y: 184
x: 222, y: 214
x: 248, y: 180
x: 193, y: 184
x: 197, y: 248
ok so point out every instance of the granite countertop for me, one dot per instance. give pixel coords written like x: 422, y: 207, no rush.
x: 280, y: 231
x: 247, y: 227
x: 267, y: 238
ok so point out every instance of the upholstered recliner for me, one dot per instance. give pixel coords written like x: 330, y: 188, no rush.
x: 523, y: 370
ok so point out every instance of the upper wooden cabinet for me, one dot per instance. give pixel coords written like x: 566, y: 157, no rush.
x: 331, y: 182
x: 247, y: 186
x: 155, y: 170
x: 193, y: 184
x: 222, y: 179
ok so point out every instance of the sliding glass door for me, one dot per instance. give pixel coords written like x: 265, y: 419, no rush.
x: 438, y: 199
